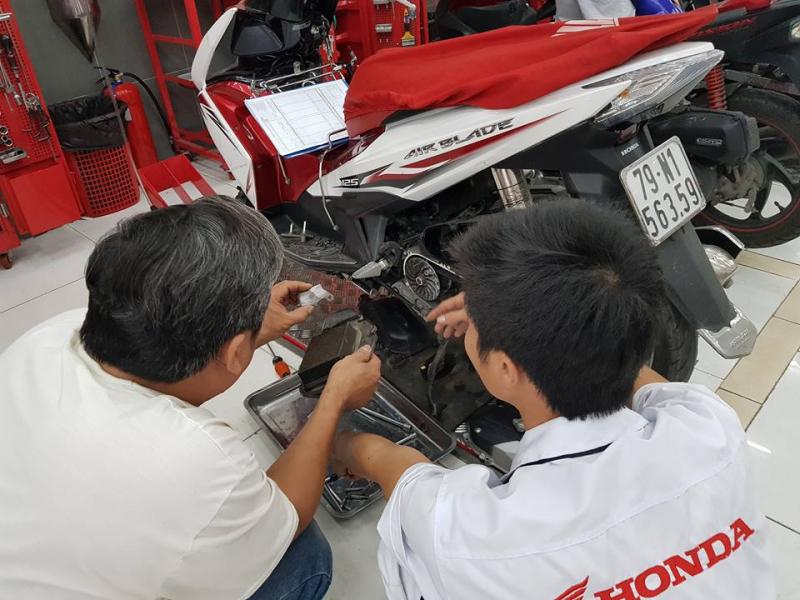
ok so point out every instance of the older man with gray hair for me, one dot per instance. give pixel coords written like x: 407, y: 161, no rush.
x: 115, y: 483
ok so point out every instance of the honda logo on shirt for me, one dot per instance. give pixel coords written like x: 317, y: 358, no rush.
x: 576, y: 592
x: 673, y: 571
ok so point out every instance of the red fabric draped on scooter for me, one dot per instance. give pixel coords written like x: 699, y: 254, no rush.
x: 506, y: 67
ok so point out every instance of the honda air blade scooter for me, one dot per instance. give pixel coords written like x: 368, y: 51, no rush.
x: 381, y: 209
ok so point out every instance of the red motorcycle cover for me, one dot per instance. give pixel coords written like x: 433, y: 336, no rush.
x: 506, y: 67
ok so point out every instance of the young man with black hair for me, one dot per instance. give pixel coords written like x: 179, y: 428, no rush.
x: 624, y: 486
x: 114, y: 481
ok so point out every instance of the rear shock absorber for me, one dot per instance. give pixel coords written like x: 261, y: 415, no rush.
x: 715, y: 84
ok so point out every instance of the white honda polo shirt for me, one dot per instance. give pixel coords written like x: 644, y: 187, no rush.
x: 653, y: 502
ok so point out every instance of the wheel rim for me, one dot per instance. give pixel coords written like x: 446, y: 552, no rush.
x: 779, y: 199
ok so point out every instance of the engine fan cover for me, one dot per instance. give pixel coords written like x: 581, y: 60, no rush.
x: 422, y: 278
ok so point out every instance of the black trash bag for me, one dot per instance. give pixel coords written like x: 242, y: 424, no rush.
x: 88, y: 123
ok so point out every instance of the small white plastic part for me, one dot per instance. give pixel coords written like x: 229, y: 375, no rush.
x: 314, y: 296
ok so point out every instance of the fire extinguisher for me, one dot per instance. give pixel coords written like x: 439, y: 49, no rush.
x: 140, y: 136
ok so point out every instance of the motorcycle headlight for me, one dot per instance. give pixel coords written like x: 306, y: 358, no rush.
x: 651, y: 86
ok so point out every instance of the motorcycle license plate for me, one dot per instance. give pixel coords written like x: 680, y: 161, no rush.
x: 663, y: 190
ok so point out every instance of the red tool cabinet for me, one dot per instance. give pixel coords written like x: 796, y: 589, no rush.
x: 37, y: 192
x: 365, y: 26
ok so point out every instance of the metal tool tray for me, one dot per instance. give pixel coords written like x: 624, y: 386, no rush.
x: 283, y: 409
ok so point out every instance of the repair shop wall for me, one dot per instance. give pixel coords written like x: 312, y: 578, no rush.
x: 65, y: 73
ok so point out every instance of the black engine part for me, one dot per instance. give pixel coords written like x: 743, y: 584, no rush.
x: 331, y: 346
x: 400, y: 330
x: 721, y: 136
x: 493, y: 424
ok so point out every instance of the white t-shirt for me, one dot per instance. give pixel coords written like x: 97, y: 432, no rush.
x: 665, y: 511
x: 109, y: 490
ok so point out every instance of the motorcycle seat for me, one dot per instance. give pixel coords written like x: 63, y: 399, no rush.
x: 504, y: 68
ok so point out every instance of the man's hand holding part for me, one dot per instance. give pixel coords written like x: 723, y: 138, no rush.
x: 353, y: 380
x: 279, y: 319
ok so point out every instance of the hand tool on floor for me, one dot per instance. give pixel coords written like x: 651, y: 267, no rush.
x: 282, y: 369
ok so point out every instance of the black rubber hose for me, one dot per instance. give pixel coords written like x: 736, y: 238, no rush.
x: 156, y: 103
x: 433, y: 370
x: 112, y: 71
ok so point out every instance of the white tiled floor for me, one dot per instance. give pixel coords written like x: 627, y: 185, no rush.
x: 789, y: 251
x: 47, y: 279
x: 775, y: 449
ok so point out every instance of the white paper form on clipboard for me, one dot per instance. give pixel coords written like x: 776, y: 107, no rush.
x: 300, y: 120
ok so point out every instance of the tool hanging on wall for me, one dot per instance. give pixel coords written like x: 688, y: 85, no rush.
x: 38, y: 190
x: 8, y: 152
x: 7, y: 45
x: 39, y: 119
x: 7, y: 85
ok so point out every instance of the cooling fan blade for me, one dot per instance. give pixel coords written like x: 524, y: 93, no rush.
x: 421, y: 277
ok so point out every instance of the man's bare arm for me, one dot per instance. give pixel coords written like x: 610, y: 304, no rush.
x: 374, y: 458
x: 300, y: 471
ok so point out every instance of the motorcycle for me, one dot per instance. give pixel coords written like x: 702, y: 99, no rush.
x: 759, y: 199
x: 381, y: 209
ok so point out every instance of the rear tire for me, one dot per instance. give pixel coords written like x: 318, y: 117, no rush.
x: 675, y: 352
x: 778, y: 118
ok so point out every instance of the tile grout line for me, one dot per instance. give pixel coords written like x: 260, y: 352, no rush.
x: 94, y: 243
x: 758, y: 411
x: 796, y: 287
x: 40, y: 295
x: 782, y: 525
x: 777, y: 381
x: 764, y: 270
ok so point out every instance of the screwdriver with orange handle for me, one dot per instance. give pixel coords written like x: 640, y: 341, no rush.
x: 281, y: 368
